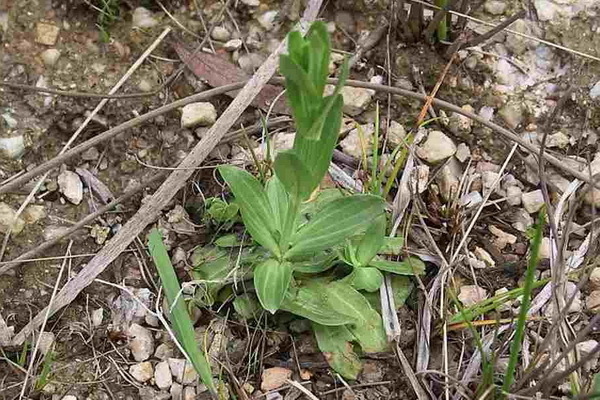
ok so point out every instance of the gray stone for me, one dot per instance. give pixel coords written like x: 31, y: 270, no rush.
x: 459, y: 124
x: 463, y: 153
x: 436, y: 148
x: 359, y: 141
x: 533, y: 201
x: 233, y: 45
x: 220, y: 33
x: 194, y: 114
x: 558, y: 139
x: 513, y: 195
x: 97, y: 317
x: 7, y: 219
x: 471, y: 294
x: 143, y: 18
x: 267, y: 19
x: 250, y: 62
x: 162, y: 375
x: 521, y: 220
x: 251, y: 3
x: 142, y: 372
x: 12, y: 147
x: 90, y: 154
x: 396, y: 134
x: 164, y: 351
x: 70, y: 186
x: 595, y: 91
x: 182, y: 371
x: 47, y: 342
x: 50, y: 57
x: 141, y: 342
x: 495, y: 7
x: 176, y: 391
x: 356, y: 99
x: 33, y: 213
x: 546, y: 9
x: 585, y: 349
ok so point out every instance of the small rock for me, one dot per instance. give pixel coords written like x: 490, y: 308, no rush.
x: 90, y: 154
x: 145, y: 85
x: 484, y: 256
x: 533, y: 201
x: 502, y: 238
x: 546, y: 9
x: 47, y: 342
x: 513, y: 195
x: 50, y: 57
x: 359, y: 141
x: 46, y: 33
x: 250, y: 62
x: 571, y: 291
x: 595, y: 91
x: 267, y: 19
x: 594, y: 282
x: 148, y: 393
x: 356, y: 100
x: 182, y: 371
x: 70, y: 186
x: 471, y: 294
x: 420, y: 178
x: 371, y: 372
x: 162, y: 375
x: 274, y: 378
x: 512, y: 114
x: 522, y: 220
x: 233, y: 45
x: 448, y: 179
x: 189, y: 393
x: 220, y: 33
x: 459, y: 124
x: 7, y: 219
x: 142, y: 18
x: 12, y: 147
x: 194, y: 114
x: 436, y: 148
x: 463, y: 153
x: 33, y: 213
x: 176, y: 391
x: 586, y: 348
x: 592, y: 302
x: 141, y: 343
x: 251, y: 3
x: 4, y: 21
x: 396, y: 134
x: 471, y: 199
x: 68, y: 397
x: 488, y: 178
x: 142, y: 372
x: 164, y: 351
x: 545, y: 249
x: 97, y: 317
x: 558, y: 139
x: 495, y: 7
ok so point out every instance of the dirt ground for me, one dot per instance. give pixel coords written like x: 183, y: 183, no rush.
x: 97, y: 43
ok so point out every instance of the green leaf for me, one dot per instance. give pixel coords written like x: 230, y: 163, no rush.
x: 392, y: 246
x: 366, y: 278
x: 247, y: 306
x: 318, y: 66
x: 318, y: 153
x: 314, y: 264
x: 337, y: 221
x: 408, y: 266
x: 371, y: 242
x: 255, y: 208
x: 293, y: 174
x: 220, y: 210
x: 271, y: 280
x: 335, y: 343
x: 180, y: 319
x: 367, y: 326
x: 310, y: 301
x: 229, y: 240
x: 278, y: 198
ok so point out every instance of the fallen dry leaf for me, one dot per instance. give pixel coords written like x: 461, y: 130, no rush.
x: 217, y: 71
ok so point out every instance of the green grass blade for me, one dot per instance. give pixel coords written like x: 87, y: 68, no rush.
x: 180, y: 318
x: 515, y: 347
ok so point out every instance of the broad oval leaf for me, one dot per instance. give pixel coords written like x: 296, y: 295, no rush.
x: 338, y: 220
x: 271, y: 280
x: 371, y: 242
x: 408, y: 266
x: 366, y: 278
x: 255, y: 208
x: 335, y: 343
x: 392, y: 245
x: 368, y: 325
x: 310, y: 302
x: 278, y: 198
x: 293, y: 174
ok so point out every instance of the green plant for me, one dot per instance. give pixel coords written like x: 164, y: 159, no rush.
x: 181, y: 322
x: 515, y: 348
x: 308, y: 239
x: 42, y: 379
x: 108, y: 14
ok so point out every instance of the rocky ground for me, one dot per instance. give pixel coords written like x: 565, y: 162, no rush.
x: 107, y: 346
